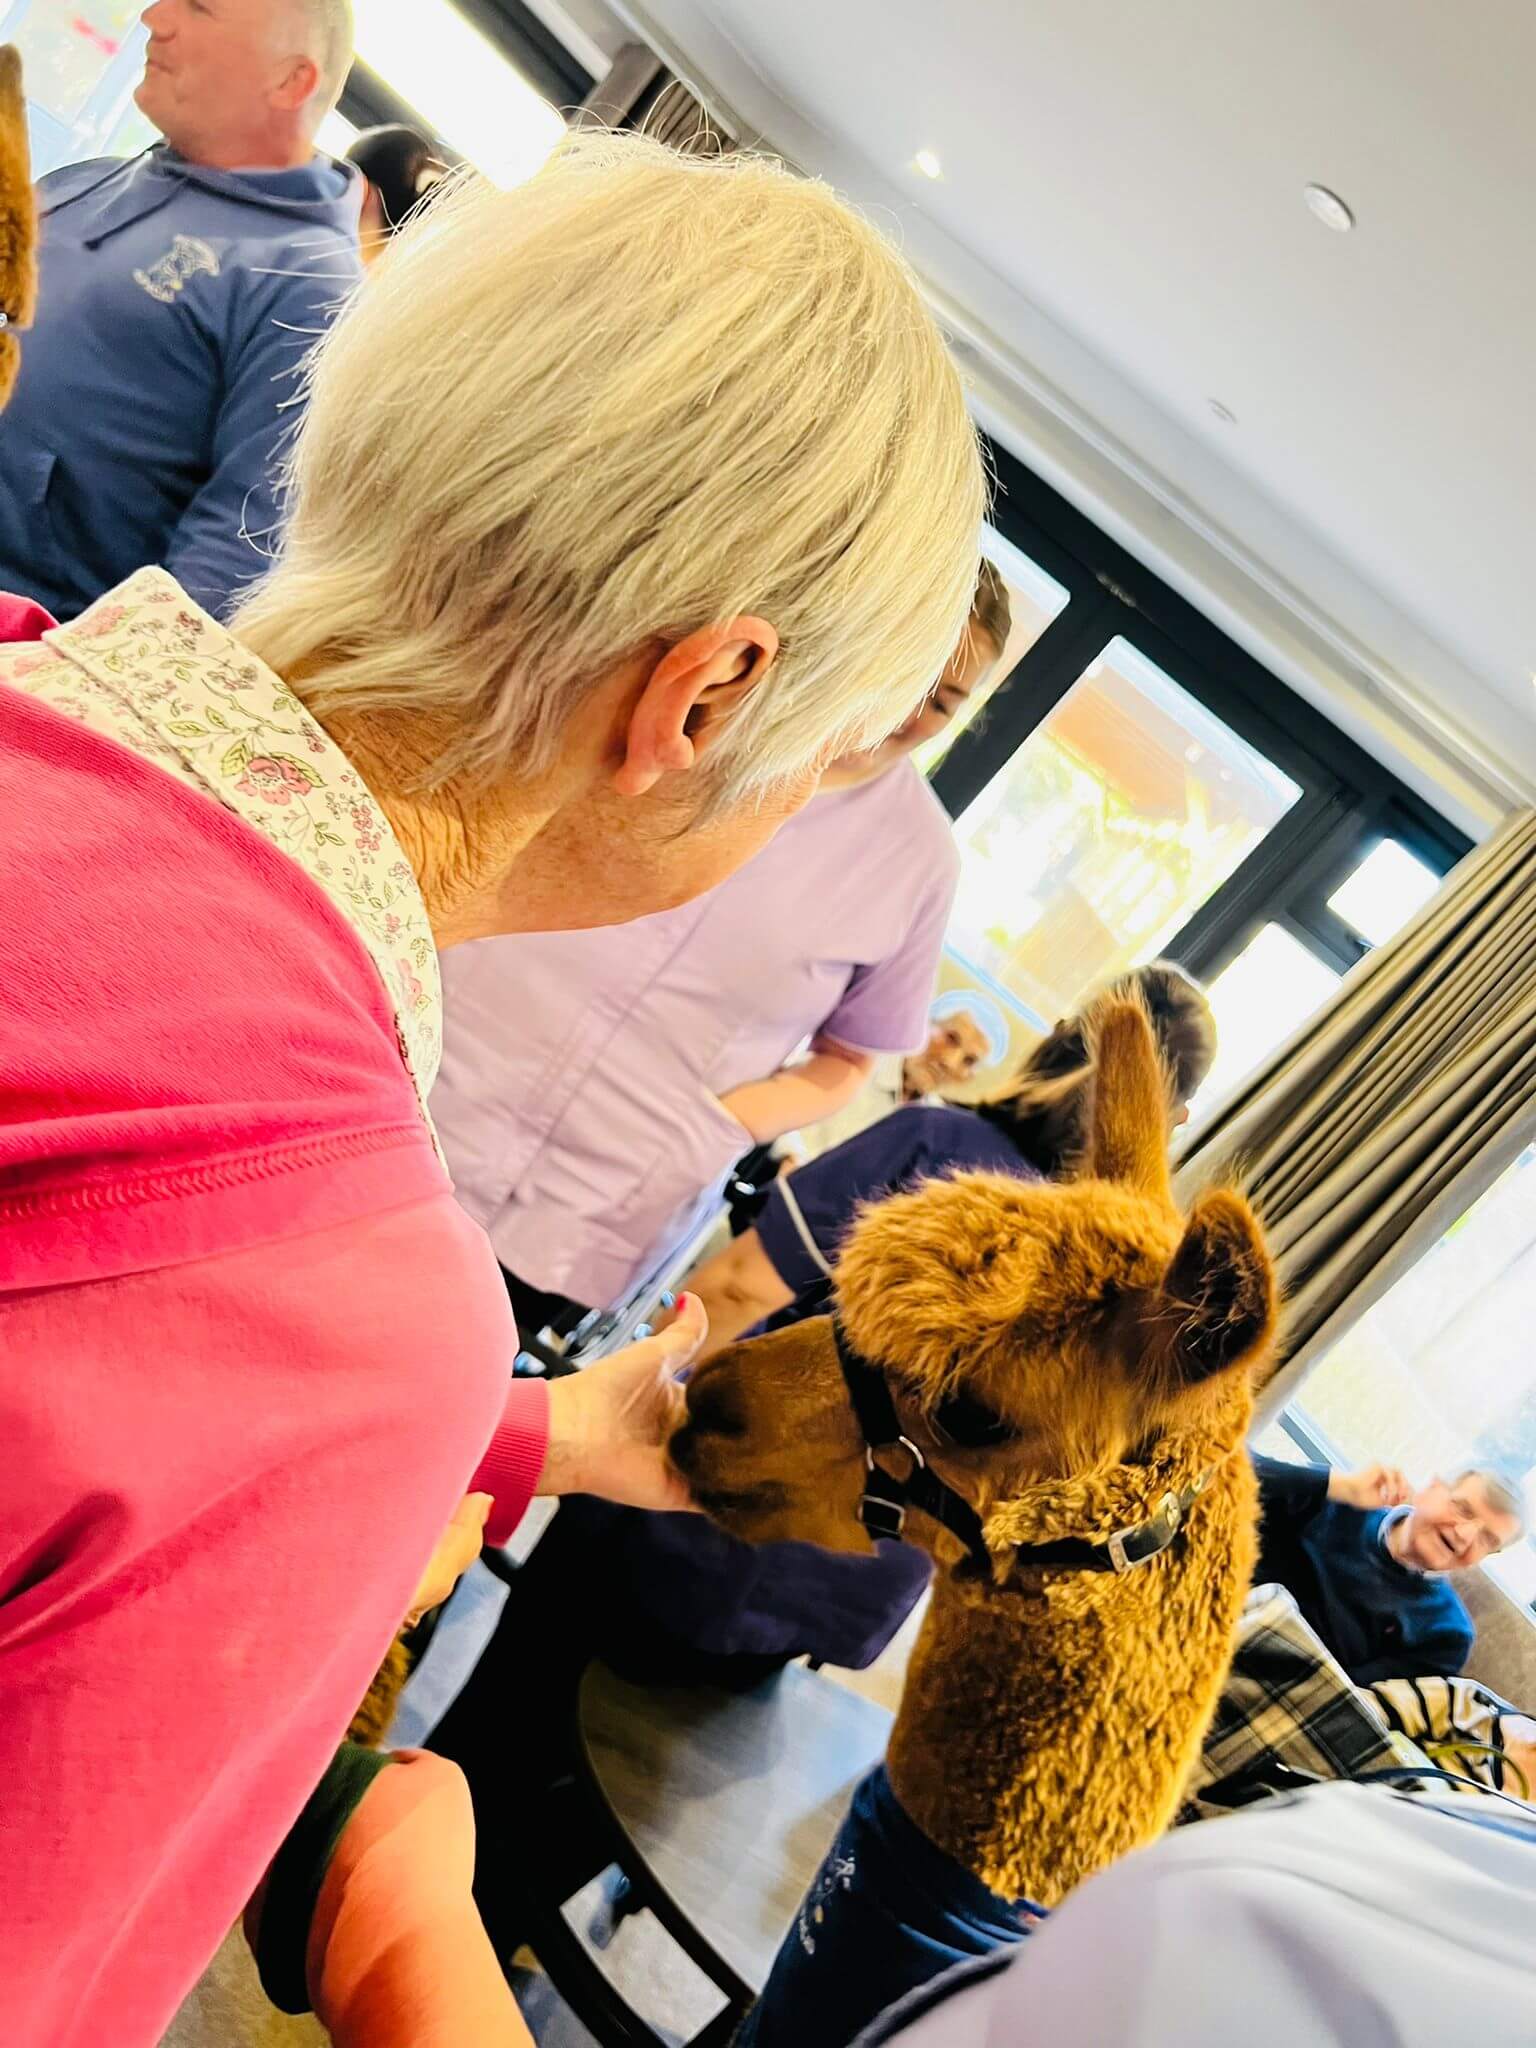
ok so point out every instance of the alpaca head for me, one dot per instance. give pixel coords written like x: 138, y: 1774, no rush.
x: 1028, y: 1333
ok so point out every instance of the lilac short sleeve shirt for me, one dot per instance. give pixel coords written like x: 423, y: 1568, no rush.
x: 578, y: 1101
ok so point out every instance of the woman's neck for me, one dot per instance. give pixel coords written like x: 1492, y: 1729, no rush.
x: 462, y: 847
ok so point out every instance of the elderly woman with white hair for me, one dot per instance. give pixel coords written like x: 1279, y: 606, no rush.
x: 614, y: 494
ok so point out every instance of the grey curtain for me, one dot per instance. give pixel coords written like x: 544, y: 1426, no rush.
x: 1366, y: 1136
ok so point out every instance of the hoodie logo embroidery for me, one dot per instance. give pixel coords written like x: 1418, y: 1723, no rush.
x: 187, y: 257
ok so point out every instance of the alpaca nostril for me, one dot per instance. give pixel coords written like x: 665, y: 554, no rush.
x: 715, y: 1404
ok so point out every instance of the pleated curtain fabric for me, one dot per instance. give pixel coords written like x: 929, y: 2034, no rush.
x: 1368, y: 1134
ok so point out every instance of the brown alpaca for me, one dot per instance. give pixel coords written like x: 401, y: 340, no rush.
x: 18, y: 221
x: 1063, y: 1357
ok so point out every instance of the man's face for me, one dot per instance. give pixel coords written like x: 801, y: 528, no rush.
x: 953, y: 1053
x: 1452, y: 1528
x: 211, y: 68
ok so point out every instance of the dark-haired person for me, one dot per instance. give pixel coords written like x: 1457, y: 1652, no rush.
x: 399, y: 166
x: 669, y: 1598
x: 780, y: 1270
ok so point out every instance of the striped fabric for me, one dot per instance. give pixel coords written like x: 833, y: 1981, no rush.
x: 1459, y: 1722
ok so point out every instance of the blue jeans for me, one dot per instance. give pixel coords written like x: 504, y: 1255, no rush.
x: 887, y: 1911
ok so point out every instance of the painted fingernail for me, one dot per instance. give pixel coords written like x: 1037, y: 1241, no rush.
x: 668, y: 1298
x: 643, y: 1330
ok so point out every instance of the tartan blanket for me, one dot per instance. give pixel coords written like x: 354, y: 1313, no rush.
x: 1287, y: 1707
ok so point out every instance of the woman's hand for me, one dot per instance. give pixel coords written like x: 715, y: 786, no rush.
x: 610, y: 1424
x: 457, y: 1549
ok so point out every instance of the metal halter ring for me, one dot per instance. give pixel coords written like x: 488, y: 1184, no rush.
x: 904, y: 1443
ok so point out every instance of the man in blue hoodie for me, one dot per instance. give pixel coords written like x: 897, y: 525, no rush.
x: 179, y: 293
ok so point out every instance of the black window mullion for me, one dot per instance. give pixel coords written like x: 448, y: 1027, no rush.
x: 533, y: 47
x: 369, y: 101
x: 1327, y: 934
x: 1262, y: 887
x: 1027, y: 695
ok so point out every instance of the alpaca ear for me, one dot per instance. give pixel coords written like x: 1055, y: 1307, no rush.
x: 1218, y: 1296
x: 1130, y: 1127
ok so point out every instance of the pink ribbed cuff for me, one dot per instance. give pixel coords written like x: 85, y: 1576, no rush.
x: 510, y: 1469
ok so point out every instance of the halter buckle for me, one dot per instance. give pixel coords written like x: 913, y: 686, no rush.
x: 884, y: 1515
x: 1138, y: 1545
x: 882, y: 1519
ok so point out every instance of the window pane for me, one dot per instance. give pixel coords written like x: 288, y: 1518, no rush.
x: 1442, y: 1372
x: 1272, y: 986
x: 1389, y: 885
x: 461, y: 83
x: 336, y: 134
x: 1034, y: 599
x: 81, y: 60
x: 1108, y: 829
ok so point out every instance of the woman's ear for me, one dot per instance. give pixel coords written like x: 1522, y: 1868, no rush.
x: 696, y: 681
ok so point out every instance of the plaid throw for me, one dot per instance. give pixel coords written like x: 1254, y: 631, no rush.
x: 1286, y: 1702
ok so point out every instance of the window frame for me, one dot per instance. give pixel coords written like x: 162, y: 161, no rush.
x: 1349, y: 799
x: 369, y: 101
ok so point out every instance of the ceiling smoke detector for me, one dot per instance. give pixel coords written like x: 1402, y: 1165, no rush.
x: 1329, y: 208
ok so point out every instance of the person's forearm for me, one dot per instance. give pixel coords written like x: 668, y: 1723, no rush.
x: 738, y: 1288
x: 826, y: 1080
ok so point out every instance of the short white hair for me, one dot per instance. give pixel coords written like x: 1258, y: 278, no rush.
x: 331, y: 32
x: 1504, y: 1491
x: 637, y: 396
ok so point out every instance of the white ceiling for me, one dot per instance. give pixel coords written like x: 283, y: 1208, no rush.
x: 1120, y: 232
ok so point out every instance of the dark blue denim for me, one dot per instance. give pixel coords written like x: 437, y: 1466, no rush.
x: 888, y: 1911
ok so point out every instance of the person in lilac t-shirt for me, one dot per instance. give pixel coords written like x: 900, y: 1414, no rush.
x: 597, y: 1086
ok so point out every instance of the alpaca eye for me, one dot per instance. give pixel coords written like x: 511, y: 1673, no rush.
x: 971, y: 1423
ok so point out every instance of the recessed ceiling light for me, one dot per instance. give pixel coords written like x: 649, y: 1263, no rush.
x: 1329, y: 209
x: 1224, y: 413
x: 928, y: 163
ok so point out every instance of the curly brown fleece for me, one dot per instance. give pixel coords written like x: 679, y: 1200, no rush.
x: 18, y: 220
x: 1111, y: 1344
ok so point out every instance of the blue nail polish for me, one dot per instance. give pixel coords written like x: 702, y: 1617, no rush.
x: 643, y: 1330
x: 668, y: 1299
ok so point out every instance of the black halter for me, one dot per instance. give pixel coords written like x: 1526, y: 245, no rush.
x: 887, y: 1500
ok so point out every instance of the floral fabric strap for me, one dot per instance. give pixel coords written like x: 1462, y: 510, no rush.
x: 147, y: 667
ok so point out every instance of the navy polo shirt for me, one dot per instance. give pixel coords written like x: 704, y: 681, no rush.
x: 809, y: 1214
x: 685, y: 1581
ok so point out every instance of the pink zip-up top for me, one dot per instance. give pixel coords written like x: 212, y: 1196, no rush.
x: 252, y: 1353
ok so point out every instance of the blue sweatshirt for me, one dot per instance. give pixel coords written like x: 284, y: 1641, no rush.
x: 1380, y: 1619
x: 158, y: 385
